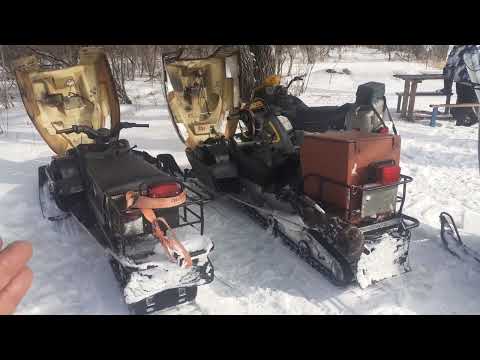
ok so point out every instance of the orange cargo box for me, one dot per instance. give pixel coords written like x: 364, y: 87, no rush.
x: 332, y: 161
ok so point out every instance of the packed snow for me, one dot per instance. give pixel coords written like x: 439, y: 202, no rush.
x: 255, y: 272
x: 381, y: 261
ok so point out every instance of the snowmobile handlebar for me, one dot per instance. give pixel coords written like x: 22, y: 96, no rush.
x: 78, y: 129
x: 126, y: 125
x: 99, y: 133
x: 296, y: 78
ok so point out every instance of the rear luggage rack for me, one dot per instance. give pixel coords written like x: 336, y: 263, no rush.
x: 354, y: 193
x: 405, y: 221
x: 194, y: 198
x: 194, y: 205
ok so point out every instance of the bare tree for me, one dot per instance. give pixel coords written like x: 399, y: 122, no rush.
x: 264, y: 62
x: 389, y: 50
x: 291, y: 56
x: 129, y: 61
x: 247, y: 78
x: 280, y: 57
x: 118, y: 60
x: 257, y: 62
x: 149, y: 58
x: 310, y: 54
x: 414, y: 52
x: 5, y: 101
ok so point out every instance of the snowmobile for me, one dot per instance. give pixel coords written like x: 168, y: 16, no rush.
x: 122, y: 196
x: 322, y: 178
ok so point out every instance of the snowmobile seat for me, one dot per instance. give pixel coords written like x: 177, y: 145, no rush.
x: 322, y: 118
x: 125, y: 172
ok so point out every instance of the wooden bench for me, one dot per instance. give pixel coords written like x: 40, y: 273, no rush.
x: 433, y: 121
x: 410, y: 92
x: 400, y: 95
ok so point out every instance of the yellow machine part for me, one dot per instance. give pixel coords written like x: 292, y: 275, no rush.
x: 272, y: 80
x: 83, y: 94
x: 202, y: 95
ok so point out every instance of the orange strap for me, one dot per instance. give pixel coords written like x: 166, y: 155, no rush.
x: 174, y: 248
x: 144, y: 202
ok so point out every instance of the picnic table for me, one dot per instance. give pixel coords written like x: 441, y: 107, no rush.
x: 407, y: 98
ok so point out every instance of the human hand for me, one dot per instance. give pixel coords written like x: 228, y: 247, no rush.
x: 15, y: 276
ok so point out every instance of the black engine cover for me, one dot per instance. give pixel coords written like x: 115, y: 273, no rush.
x: 211, y: 163
x: 67, y: 177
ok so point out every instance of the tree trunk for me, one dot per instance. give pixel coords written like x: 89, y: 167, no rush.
x: 291, y: 55
x: 247, y: 78
x: 118, y: 73
x: 280, y: 57
x: 264, y: 62
x: 154, y: 60
x: 142, y: 60
x: 257, y: 62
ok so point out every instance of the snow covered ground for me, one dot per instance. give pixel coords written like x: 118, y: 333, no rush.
x: 255, y: 273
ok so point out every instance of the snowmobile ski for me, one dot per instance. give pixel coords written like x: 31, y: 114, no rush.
x: 148, y: 278
x: 160, y: 286
x: 48, y: 204
x: 452, y: 240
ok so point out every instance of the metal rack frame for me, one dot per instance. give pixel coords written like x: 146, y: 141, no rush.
x: 353, y: 190
x: 194, y: 199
